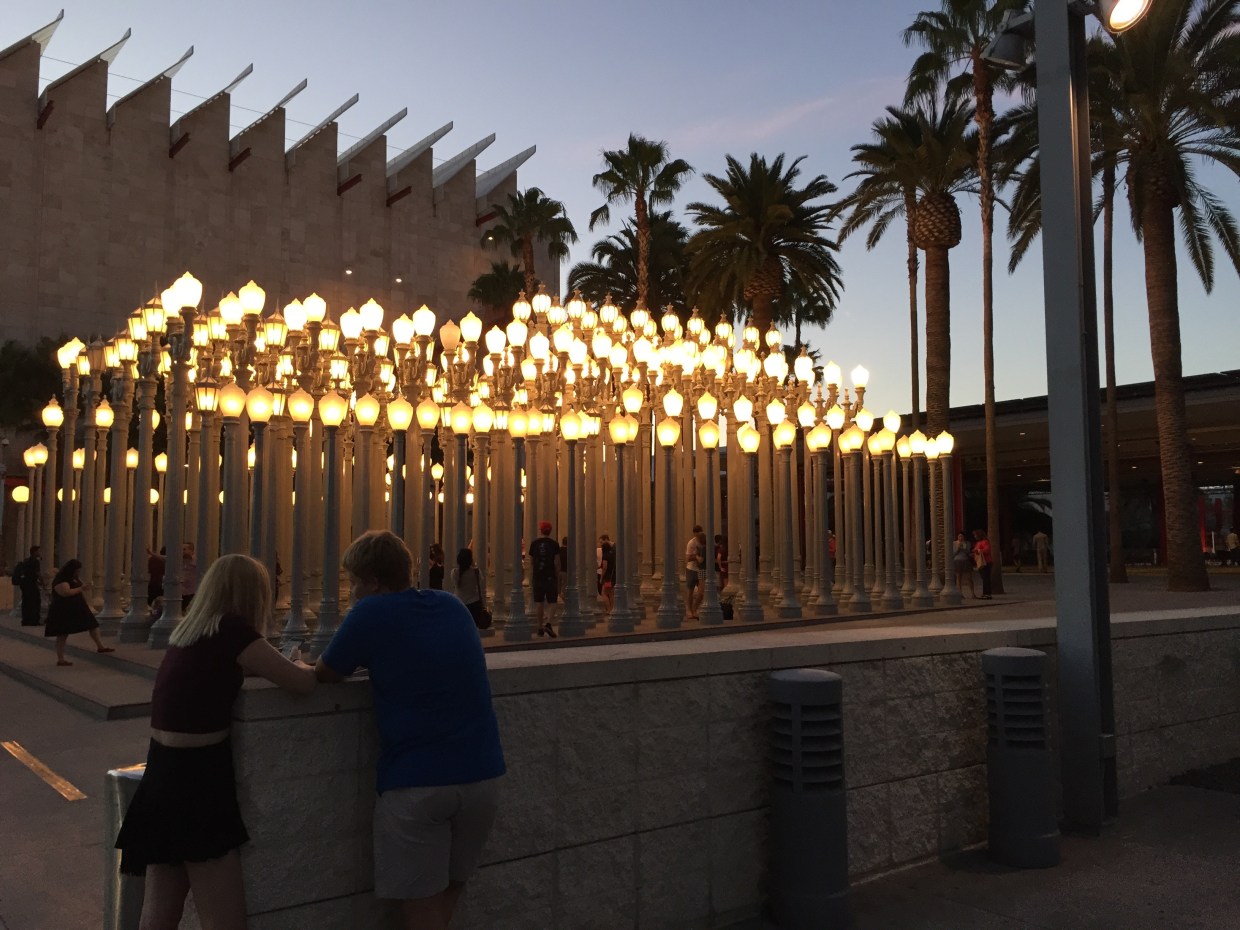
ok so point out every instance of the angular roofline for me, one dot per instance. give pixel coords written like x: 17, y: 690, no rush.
x: 107, y: 56
x: 452, y: 167
x: 403, y: 160
x: 40, y: 37
x: 168, y: 73
x: 490, y: 179
x: 290, y: 156
x: 175, y: 132
x: 234, y: 144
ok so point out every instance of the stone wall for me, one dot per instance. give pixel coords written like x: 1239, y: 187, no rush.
x: 637, y: 786
x: 101, y: 208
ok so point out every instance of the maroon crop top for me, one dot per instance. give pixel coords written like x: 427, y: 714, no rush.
x: 197, y: 684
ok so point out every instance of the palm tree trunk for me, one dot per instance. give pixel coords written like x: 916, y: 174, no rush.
x: 938, y: 340
x: 643, y: 249
x: 527, y: 262
x: 1118, y: 570
x: 761, y: 304
x: 1186, y: 567
x: 984, y: 115
x: 910, y: 204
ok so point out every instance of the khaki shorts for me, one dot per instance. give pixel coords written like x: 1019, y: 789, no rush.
x: 427, y: 837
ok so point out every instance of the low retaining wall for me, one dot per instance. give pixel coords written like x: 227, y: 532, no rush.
x: 637, y: 786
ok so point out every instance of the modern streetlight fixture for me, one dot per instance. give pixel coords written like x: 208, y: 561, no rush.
x: 571, y: 623
x: 670, y: 610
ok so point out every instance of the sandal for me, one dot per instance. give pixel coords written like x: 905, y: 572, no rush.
x: 103, y: 649
x: 63, y: 662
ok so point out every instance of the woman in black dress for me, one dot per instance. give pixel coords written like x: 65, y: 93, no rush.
x: 69, y: 613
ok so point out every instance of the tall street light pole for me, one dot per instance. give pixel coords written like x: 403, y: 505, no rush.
x: 783, y: 436
x: 949, y: 596
x: 517, y: 629
x: 670, y: 610
x: 428, y: 419
x: 332, y: 411
x: 708, y: 437
x: 750, y: 440
x: 621, y: 619
x: 571, y: 623
x: 135, y: 623
x: 300, y: 409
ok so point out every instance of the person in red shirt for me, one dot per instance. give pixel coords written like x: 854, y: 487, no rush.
x: 984, y: 559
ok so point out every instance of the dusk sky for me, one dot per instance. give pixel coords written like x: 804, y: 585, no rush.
x: 576, y: 76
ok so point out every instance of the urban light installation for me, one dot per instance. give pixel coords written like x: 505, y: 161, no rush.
x: 259, y: 406
x: 67, y: 356
x: 53, y: 416
x: 399, y: 416
x: 517, y: 629
x: 708, y: 435
x: 819, y: 443
x: 621, y: 619
x: 428, y: 419
x: 125, y: 355
x: 300, y: 409
x: 135, y: 623
x: 783, y: 437
x: 483, y: 421
x: 670, y: 610
x: 750, y: 440
x: 853, y: 440
x: 232, y: 399
x: 936, y: 564
x: 332, y: 410
x: 950, y: 594
x: 571, y: 623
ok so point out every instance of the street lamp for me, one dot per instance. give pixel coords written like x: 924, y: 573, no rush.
x: 571, y: 624
x: 300, y: 408
x: 950, y: 595
x: 428, y: 418
x: 708, y: 437
x: 332, y: 411
x: 517, y: 629
x: 399, y: 416
x: 483, y: 422
x: 53, y: 416
x: 783, y: 437
x: 461, y: 422
x: 750, y: 440
x: 233, y: 532
x: 936, y: 520
x: 365, y: 415
x: 851, y: 444
x: 887, y: 489
x: 670, y: 610
x: 259, y: 405
x: 818, y: 441
x: 621, y: 619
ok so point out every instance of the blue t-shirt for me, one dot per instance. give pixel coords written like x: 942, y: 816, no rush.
x: 432, y: 695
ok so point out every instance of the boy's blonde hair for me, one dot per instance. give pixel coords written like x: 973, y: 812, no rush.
x: 234, y: 584
x: 382, y: 557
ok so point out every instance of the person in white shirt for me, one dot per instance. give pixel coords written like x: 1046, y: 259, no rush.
x: 695, y: 561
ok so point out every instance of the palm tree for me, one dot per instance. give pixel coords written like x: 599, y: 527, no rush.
x: 954, y: 38
x: 613, y: 270
x: 890, y: 174
x: 531, y: 216
x: 498, y: 289
x: 769, y: 237
x: 640, y: 174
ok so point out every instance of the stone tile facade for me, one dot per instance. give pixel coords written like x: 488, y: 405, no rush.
x: 101, y: 208
x: 637, y: 787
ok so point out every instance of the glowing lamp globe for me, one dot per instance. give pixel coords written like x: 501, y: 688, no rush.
x: 860, y: 376
x: 775, y: 412
x: 471, y: 328
x: 891, y: 421
x: 707, y: 406
x: 749, y: 438
x: 708, y: 435
x: 188, y: 291
x: 495, y: 340
x: 836, y: 417
x: 252, y: 298
x: 484, y: 419
x: 518, y: 423
x: 332, y: 409
x: 633, y: 398
x: 53, y: 414
x: 932, y: 449
x: 372, y: 316
x: 232, y: 400
x: 618, y: 429
x: 461, y: 419
x: 570, y: 426
x: 131, y: 459
x: 832, y: 375
x: 161, y: 462
x: 516, y: 331
x: 784, y: 434
x: 300, y: 406
x: 886, y: 440
x: 259, y: 404
x: 207, y: 396
x: 668, y: 432
x: 903, y: 448
x: 366, y: 410
x: 673, y: 403
x: 231, y: 310
x: 449, y: 336
x: 399, y: 414
x: 742, y: 409
x: 806, y: 415
x: 819, y: 438
x: 864, y: 420
x: 316, y: 308
x: 21, y: 494
x: 946, y: 442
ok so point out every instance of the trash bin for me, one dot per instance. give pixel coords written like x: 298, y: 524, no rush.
x: 1024, y: 831
x: 809, y: 816
x: 122, y: 894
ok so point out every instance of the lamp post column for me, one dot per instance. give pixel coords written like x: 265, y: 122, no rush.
x: 949, y: 596
x: 258, y: 478
x: 789, y: 605
x: 86, y: 503
x: 517, y: 629
x: 621, y: 620
x: 670, y: 609
x: 766, y: 512
x: 295, y: 626
x: 571, y: 624
x: 207, y: 549
x: 936, y: 581
x: 711, y: 612
x: 594, y: 468
x: 134, y: 624
x: 645, y: 484
x: 482, y: 516
x: 233, y: 530
x: 193, y: 471
x: 459, y: 530
x: 329, y: 605
x: 825, y: 604
x: 97, y: 515
x: 48, y: 542
x: 909, y: 589
x: 751, y: 609
x: 398, y: 481
x: 362, y: 448
x: 841, y: 577
x: 174, y: 483
x: 427, y: 490
x: 67, y: 548
x: 810, y: 576
x: 859, y: 601
x: 110, y: 617
x: 891, y: 590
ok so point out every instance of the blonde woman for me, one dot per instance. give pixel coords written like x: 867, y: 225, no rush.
x: 183, y: 828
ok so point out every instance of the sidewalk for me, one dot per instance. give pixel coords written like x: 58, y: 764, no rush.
x: 1170, y: 862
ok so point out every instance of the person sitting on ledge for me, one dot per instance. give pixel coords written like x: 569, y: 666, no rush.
x: 440, y: 757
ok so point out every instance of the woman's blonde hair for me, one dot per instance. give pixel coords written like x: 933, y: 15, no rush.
x: 234, y: 584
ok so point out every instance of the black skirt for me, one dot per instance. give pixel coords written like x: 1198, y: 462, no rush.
x: 185, y: 809
x: 69, y: 615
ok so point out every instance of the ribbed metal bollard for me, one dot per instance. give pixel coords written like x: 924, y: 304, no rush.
x: 122, y: 894
x: 1024, y: 831
x: 809, y: 816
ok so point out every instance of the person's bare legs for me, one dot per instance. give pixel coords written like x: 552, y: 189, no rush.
x: 94, y: 634
x: 219, y: 893
x: 164, y: 898
x: 60, y: 651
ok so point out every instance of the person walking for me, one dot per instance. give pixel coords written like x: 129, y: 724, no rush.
x: 435, y: 573
x: 1233, y: 548
x: 1042, y: 548
x: 607, y: 570
x: 983, y: 558
x: 721, y: 561
x: 544, y: 577
x: 27, y: 576
x: 695, y: 561
x: 440, y: 758
x: 68, y: 613
x: 156, y: 562
x: 183, y: 829
x: 962, y: 565
x: 467, y: 585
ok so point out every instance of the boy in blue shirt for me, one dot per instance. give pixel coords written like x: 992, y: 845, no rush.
x: 440, y: 756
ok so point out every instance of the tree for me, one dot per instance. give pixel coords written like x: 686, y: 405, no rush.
x: 29, y: 376
x: 768, y: 239
x: 530, y: 217
x: 641, y: 174
x: 889, y: 175
x: 954, y: 38
x: 613, y: 270
x: 498, y: 289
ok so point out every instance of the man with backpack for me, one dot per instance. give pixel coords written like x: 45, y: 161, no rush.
x: 26, y: 578
x: 544, y: 576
